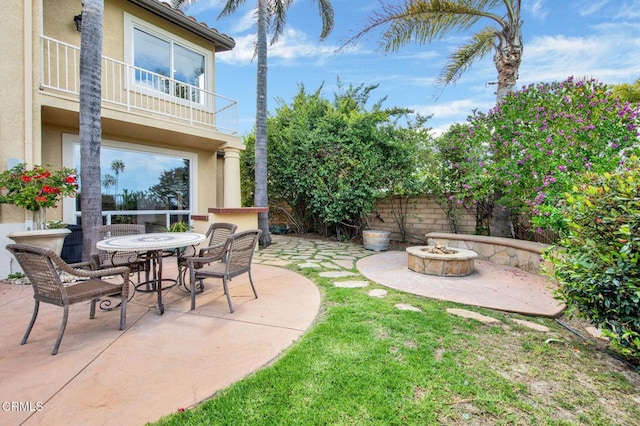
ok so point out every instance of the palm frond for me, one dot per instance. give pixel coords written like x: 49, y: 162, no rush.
x: 277, y: 12
x: 181, y: 4
x: 229, y: 7
x: 423, y: 21
x: 278, y: 17
x: 460, y: 61
x: 327, y: 14
x: 514, y: 8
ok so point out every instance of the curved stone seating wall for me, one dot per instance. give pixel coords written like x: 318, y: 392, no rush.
x: 521, y: 254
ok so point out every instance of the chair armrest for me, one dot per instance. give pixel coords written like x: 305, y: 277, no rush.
x: 120, y: 270
x: 210, y: 254
x: 211, y: 251
x: 200, y: 259
x: 82, y: 265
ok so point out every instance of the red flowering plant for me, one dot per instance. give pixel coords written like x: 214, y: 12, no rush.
x: 37, y: 189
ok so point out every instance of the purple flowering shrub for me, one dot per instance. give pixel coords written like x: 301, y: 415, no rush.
x: 540, y: 141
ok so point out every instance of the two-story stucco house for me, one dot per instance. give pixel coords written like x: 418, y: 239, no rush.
x: 170, y: 148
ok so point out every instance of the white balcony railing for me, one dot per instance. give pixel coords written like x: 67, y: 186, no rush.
x: 127, y: 87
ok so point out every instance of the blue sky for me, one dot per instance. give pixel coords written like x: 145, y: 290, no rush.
x: 594, y: 38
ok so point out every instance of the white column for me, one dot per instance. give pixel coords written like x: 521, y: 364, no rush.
x: 232, y: 197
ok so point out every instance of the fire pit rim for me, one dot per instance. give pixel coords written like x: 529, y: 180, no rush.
x: 461, y: 254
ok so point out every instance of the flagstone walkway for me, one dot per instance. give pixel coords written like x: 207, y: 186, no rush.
x: 311, y: 253
x: 491, y: 286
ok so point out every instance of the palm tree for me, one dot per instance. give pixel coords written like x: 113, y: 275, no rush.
x: 271, y: 14
x: 423, y: 21
x: 108, y: 181
x: 118, y: 167
x: 90, y: 118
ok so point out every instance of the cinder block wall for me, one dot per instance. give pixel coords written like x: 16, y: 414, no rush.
x: 423, y: 215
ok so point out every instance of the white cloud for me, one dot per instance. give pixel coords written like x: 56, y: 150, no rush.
x: 246, y: 22
x: 243, y: 18
x: 422, y: 55
x: 441, y: 128
x: 201, y: 6
x: 593, y: 7
x: 292, y: 46
x: 421, y: 81
x: 536, y: 9
x: 455, y: 109
x: 610, y: 58
x: 242, y: 54
x: 629, y: 10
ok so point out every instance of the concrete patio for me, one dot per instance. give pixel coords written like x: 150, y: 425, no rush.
x: 160, y: 364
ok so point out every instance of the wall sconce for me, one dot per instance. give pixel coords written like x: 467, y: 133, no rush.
x: 78, y: 20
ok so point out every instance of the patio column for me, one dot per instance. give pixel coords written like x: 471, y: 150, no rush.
x: 232, y: 196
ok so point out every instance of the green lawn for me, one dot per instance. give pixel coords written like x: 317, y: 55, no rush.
x: 365, y: 362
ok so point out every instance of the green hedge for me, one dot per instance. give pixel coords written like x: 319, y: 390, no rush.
x: 597, y: 262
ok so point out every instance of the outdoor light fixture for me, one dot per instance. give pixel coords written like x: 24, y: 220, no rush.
x: 78, y: 20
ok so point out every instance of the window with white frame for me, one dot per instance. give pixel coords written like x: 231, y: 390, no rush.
x: 134, y: 189
x: 164, y: 63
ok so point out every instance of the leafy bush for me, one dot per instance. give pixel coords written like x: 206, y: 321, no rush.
x: 452, y: 160
x: 330, y: 160
x: 56, y: 224
x: 180, y: 226
x: 597, y: 262
x: 541, y: 139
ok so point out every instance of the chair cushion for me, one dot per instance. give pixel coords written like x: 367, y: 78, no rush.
x: 83, y: 290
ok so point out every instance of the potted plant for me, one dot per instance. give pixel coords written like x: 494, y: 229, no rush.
x: 180, y: 226
x: 36, y: 190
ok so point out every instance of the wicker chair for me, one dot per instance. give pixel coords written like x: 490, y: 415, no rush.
x: 41, y: 267
x: 217, y: 234
x: 101, y: 259
x: 236, y: 257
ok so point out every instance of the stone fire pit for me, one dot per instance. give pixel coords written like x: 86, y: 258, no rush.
x: 441, y: 261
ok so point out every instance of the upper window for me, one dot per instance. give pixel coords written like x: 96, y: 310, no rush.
x: 164, y: 63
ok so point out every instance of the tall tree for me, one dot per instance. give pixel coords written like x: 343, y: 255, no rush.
x: 118, y: 167
x: 627, y: 92
x: 271, y: 15
x: 172, y: 189
x: 424, y: 21
x: 108, y: 181
x: 90, y: 118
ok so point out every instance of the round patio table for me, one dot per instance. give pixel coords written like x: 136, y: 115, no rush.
x: 153, y: 244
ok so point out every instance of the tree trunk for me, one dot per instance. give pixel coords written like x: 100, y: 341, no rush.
x: 501, y: 225
x: 261, y: 194
x: 507, y: 59
x: 90, y: 119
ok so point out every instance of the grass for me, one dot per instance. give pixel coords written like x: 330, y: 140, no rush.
x: 365, y: 362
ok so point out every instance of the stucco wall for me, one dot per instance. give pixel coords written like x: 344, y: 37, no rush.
x: 12, y: 90
x: 33, y: 120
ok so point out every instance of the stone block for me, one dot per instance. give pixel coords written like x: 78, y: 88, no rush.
x: 485, y: 251
x: 433, y: 267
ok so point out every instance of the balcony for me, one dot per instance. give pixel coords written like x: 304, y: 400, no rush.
x: 129, y: 88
